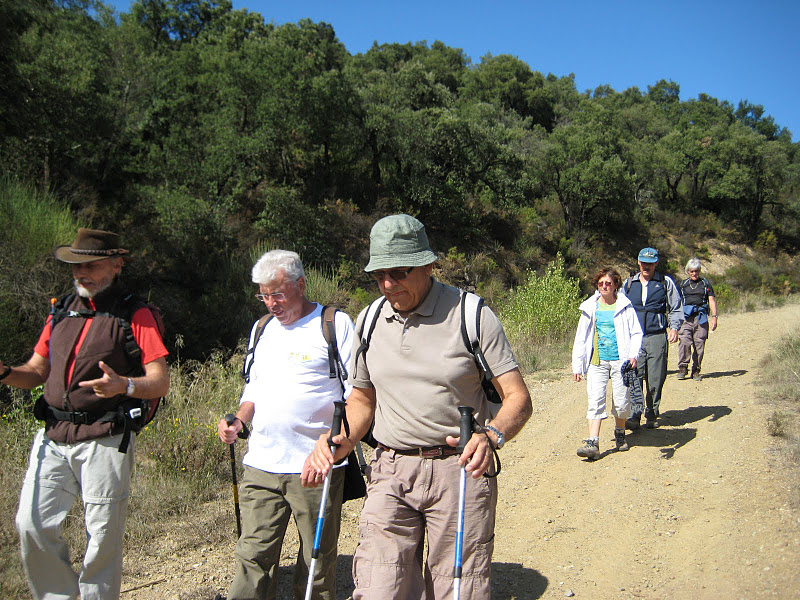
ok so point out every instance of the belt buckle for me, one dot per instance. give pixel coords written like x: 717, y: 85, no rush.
x: 430, y: 452
x: 79, y: 418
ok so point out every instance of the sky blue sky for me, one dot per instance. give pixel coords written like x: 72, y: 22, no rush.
x: 731, y: 50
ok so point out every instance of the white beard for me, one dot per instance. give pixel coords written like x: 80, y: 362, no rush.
x: 84, y: 293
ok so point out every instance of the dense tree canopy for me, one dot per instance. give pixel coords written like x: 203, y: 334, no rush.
x: 199, y: 131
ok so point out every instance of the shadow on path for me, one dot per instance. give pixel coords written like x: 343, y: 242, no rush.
x: 714, y: 375
x: 509, y: 580
x: 667, y: 440
x: 512, y: 580
x: 692, y: 414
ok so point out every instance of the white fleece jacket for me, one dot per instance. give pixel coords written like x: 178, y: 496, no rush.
x: 626, y: 326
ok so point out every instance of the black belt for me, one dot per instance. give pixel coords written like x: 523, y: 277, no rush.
x: 428, y: 452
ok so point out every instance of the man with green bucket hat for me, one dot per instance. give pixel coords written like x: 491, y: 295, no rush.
x: 411, y: 379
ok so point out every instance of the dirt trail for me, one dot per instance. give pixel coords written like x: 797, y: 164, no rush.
x: 699, y: 508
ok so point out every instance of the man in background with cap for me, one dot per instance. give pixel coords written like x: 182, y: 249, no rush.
x: 88, y: 373
x: 412, y: 378
x: 658, y: 305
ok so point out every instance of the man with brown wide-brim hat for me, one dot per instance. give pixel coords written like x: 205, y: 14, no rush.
x: 102, y: 361
x: 91, y: 245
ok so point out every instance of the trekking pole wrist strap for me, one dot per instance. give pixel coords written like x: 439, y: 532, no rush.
x: 6, y: 372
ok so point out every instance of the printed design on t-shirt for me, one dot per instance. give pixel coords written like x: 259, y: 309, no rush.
x: 299, y: 357
x: 606, y: 333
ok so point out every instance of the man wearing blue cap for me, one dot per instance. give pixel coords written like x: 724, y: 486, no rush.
x: 657, y: 302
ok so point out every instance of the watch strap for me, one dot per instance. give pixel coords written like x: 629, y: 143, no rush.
x: 501, y: 439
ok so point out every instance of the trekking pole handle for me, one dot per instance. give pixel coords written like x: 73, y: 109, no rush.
x: 336, y: 424
x: 466, y: 427
x: 244, y: 433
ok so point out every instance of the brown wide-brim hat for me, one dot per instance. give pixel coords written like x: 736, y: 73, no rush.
x: 91, y: 245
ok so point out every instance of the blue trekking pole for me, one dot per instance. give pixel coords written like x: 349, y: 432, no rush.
x: 464, y: 437
x: 336, y: 427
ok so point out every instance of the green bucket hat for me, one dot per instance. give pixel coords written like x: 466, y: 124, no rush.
x: 398, y: 241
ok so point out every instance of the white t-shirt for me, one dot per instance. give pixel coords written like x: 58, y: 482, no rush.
x: 292, y: 391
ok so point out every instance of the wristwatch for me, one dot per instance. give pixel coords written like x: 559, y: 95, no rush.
x: 131, y: 388
x: 501, y: 439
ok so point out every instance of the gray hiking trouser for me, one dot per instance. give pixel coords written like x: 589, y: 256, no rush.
x: 691, y: 344
x: 58, y: 474
x: 651, y: 367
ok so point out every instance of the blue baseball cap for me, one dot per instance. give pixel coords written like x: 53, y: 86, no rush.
x: 648, y: 255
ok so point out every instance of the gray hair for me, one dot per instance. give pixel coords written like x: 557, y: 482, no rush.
x: 272, y: 263
x: 694, y: 263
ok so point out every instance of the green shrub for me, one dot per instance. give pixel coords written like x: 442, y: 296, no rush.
x: 745, y: 277
x: 541, y: 314
x: 33, y: 225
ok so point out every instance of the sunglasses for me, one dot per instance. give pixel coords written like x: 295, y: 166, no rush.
x: 605, y: 284
x: 395, y: 274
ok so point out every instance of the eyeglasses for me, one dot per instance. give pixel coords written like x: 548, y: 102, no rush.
x: 277, y: 297
x: 395, y: 274
x: 605, y: 284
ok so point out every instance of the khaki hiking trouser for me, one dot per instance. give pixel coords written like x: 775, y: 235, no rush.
x: 57, y: 475
x: 409, y: 498
x: 267, y: 500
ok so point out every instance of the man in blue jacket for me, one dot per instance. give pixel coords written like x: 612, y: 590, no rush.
x: 657, y: 302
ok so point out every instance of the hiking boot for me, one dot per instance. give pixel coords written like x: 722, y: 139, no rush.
x: 590, y: 449
x: 682, y: 374
x: 619, y: 438
x: 697, y: 376
x: 651, y: 423
x: 633, y: 423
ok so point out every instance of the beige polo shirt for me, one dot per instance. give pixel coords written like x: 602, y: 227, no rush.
x: 422, y: 371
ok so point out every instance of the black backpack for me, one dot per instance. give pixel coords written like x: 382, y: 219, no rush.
x: 133, y: 413
x: 354, y: 486
x: 471, y: 306
x: 335, y: 365
x: 706, y: 288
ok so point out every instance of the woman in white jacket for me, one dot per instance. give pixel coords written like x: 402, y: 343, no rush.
x: 608, y: 333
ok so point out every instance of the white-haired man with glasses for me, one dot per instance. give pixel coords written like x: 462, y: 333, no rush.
x: 289, y: 402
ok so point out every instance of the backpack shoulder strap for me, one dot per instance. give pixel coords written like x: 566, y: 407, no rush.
x: 128, y: 305
x: 471, y: 306
x: 60, y: 309
x: 628, y: 284
x: 249, y: 358
x: 336, y: 368
x: 368, y: 325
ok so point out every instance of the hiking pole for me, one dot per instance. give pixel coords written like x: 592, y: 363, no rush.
x: 464, y: 437
x: 229, y: 419
x: 336, y: 427
x: 362, y: 463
